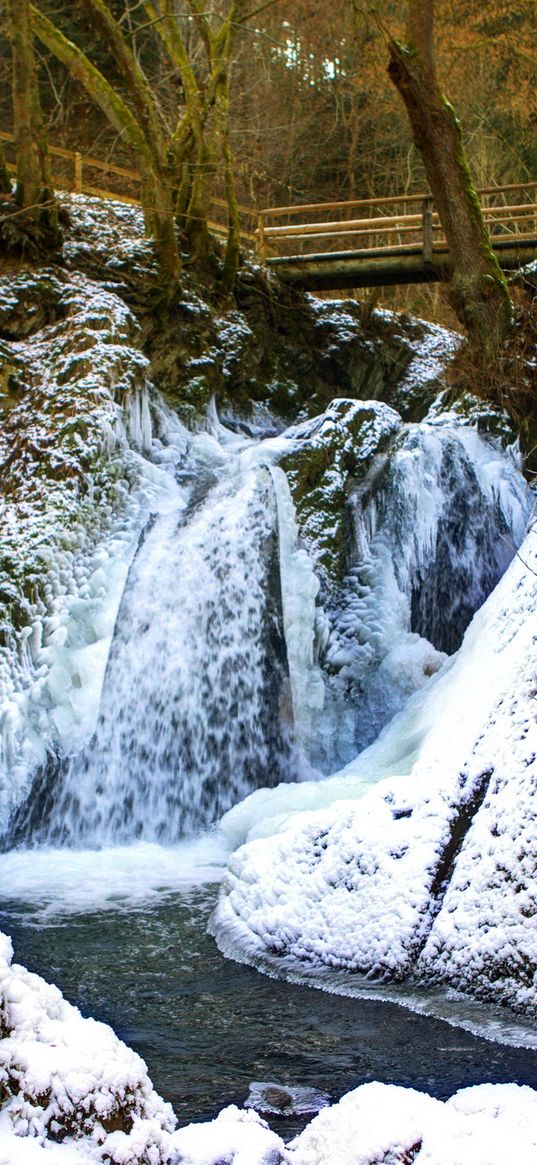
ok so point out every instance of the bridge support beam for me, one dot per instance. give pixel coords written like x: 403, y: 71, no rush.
x: 346, y: 270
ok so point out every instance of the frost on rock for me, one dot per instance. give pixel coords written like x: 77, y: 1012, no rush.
x: 431, y: 874
x: 75, y: 434
x: 490, y: 1124
x: 327, y: 454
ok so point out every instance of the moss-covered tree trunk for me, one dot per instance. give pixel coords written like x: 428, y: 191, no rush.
x: 156, y: 182
x: 34, y: 192
x: 478, y: 289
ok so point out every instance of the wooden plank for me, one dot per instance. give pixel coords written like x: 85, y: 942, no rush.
x: 389, y: 200
x: 507, y: 211
x: 334, y: 228
x: 415, y: 230
x: 301, y: 208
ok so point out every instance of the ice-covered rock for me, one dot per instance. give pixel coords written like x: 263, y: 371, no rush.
x: 270, y: 1098
x: 429, y: 874
x: 82, y: 466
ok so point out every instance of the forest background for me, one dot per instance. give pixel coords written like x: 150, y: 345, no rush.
x: 312, y: 113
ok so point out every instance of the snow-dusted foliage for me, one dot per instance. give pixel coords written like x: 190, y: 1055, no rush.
x: 431, y: 874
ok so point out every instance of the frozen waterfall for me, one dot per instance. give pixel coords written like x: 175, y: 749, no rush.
x: 229, y: 670
x: 432, y: 528
x: 190, y: 711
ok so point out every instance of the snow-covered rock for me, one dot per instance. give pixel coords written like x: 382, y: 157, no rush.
x: 484, y: 1125
x: 68, y: 1086
x: 431, y: 873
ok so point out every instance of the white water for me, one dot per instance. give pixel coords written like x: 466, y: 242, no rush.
x: 189, y: 713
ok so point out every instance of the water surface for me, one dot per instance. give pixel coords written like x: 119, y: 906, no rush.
x: 207, y: 1027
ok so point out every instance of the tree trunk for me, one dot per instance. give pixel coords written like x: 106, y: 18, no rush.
x: 156, y: 186
x: 478, y: 289
x: 5, y: 178
x: 34, y: 190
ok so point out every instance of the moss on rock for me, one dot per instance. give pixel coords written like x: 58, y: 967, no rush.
x: 330, y: 456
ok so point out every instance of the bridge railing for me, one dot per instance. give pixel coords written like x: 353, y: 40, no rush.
x: 394, y: 225
x: 84, y: 174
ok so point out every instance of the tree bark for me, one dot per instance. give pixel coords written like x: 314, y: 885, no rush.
x: 156, y: 188
x: 5, y: 177
x: 478, y: 289
x: 33, y: 190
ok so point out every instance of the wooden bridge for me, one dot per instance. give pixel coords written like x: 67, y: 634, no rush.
x: 328, y: 246
x: 387, y: 241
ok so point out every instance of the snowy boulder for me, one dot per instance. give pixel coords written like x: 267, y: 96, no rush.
x: 429, y: 874
x: 484, y: 1125
x: 235, y: 1137
x: 66, y: 1080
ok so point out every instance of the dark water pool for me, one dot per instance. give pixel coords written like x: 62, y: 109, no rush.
x: 206, y: 1027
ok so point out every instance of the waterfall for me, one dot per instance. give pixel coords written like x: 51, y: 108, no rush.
x: 225, y: 674
x: 189, y: 719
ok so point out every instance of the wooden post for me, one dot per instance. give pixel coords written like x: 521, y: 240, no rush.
x: 261, y: 239
x: 427, y: 217
x: 78, y: 173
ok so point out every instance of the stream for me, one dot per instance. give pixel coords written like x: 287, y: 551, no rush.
x: 207, y: 1027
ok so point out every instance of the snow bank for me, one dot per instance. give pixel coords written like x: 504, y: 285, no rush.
x: 431, y: 875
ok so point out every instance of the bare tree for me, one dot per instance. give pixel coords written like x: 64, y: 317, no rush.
x: 179, y: 163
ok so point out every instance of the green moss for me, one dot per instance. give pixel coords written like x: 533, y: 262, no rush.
x: 323, y: 470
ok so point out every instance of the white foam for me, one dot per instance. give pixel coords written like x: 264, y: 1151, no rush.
x: 53, y: 881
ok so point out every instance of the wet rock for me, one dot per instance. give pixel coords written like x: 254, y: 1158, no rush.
x: 275, y: 1099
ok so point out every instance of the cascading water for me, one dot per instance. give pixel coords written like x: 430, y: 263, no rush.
x: 214, y: 684
x: 189, y: 719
